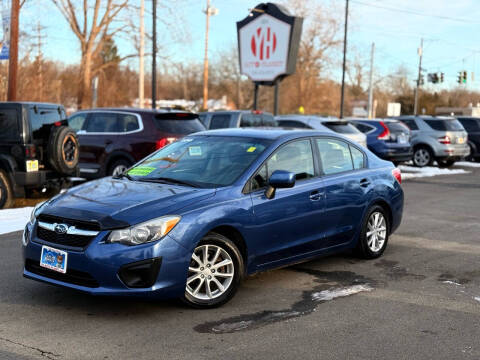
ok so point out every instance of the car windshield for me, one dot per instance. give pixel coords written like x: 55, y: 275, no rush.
x: 200, y: 161
x: 445, y: 125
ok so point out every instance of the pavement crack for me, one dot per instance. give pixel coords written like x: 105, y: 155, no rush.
x: 47, y: 354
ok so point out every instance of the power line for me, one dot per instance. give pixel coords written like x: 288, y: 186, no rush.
x: 414, y: 12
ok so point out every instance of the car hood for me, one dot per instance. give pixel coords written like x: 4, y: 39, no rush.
x: 116, y: 203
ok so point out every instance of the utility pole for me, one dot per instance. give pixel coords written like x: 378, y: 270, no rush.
x: 39, y: 94
x: 141, y: 61
x: 209, y: 11
x: 370, y: 86
x: 417, y: 89
x: 13, y: 53
x: 154, y: 54
x: 342, y: 97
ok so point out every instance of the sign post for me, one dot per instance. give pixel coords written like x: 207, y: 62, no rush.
x: 268, y: 41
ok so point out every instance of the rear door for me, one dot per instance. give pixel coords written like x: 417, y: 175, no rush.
x: 346, y: 183
x: 11, y: 133
x: 290, y: 224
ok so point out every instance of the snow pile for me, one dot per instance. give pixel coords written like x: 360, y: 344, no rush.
x: 331, y: 294
x: 468, y: 164
x: 14, y: 219
x: 411, y: 172
x: 477, y: 298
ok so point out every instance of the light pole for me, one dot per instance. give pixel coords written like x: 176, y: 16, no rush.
x: 209, y: 11
x: 13, y: 52
x: 154, y: 54
x: 141, y: 63
x: 342, y: 96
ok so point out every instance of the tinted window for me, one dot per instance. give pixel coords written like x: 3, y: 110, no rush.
x: 9, y: 125
x: 44, y: 116
x: 335, y: 156
x: 103, y: 122
x: 128, y: 122
x: 341, y: 128
x: 220, y: 121
x: 363, y: 128
x: 203, y: 119
x: 252, y: 120
x: 357, y: 157
x: 76, y: 121
x: 470, y: 124
x: 205, y: 161
x: 396, y: 127
x: 295, y: 157
x: 293, y: 123
x: 445, y: 125
x: 179, y: 126
x: 410, y: 123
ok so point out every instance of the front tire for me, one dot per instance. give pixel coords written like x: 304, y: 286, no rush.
x: 6, y: 192
x: 374, y: 235
x: 214, y: 274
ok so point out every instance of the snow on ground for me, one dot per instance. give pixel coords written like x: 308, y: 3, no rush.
x: 412, y: 172
x: 468, y: 164
x: 14, y: 219
x: 331, y: 294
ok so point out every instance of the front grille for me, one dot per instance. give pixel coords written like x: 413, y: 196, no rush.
x: 72, y: 276
x: 85, y: 225
x: 64, y: 240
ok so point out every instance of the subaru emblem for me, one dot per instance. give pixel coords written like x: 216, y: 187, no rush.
x: 60, y: 228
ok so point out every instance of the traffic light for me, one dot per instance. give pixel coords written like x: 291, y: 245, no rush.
x: 464, y: 77
x: 459, y: 77
x: 422, y: 81
x: 441, y: 77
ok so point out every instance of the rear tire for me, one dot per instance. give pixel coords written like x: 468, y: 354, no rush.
x: 374, y: 235
x: 118, y: 167
x: 208, y: 284
x: 445, y: 163
x: 63, y: 150
x: 422, y: 156
x: 6, y: 192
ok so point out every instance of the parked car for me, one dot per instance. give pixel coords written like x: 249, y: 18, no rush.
x: 37, y: 149
x: 191, y: 220
x: 112, y: 140
x: 387, y: 138
x: 436, y: 138
x: 472, y: 126
x: 343, y: 127
x: 237, y: 118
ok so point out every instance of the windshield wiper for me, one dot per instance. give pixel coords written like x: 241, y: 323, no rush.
x: 171, y: 181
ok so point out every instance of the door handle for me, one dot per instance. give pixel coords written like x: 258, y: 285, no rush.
x: 316, y: 195
x: 364, y: 182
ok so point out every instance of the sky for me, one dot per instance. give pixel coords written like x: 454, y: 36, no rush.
x: 449, y: 29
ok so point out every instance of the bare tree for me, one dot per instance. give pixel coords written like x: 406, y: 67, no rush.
x: 91, y: 24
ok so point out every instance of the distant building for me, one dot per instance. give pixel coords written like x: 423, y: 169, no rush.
x: 465, y: 111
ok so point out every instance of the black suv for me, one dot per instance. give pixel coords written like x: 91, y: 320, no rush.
x: 37, y: 149
x: 472, y: 126
x: 237, y: 118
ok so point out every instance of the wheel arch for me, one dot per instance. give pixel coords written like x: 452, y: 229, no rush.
x: 117, y: 155
x: 236, y: 237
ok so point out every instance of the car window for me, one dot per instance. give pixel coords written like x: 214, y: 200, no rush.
x: 293, y: 123
x: 470, y: 124
x: 341, y: 128
x: 296, y: 157
x: 220, y: 121
x: 128, y: 122
x: 335, y: 156
x: 76, y: 121
x: 363, y: 127
x: 178, y: 126
x: 44, y: 116
x: 9, y: 124
x: 103, y: 122
x: 396, y: 126
x: 410, y: 123
x: 203, y: 119
x: 358, y: 158
x: 253, y: 120
x: 445, y: 125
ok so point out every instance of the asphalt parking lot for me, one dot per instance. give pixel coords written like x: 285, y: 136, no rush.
x: 421, y: 300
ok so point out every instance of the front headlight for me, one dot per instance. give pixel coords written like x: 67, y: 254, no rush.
x: 36, y: 211
x: 148, y: 231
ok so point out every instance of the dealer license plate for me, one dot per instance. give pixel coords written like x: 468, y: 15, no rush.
x: 32, y: 165
x: 54, y: 259
x: 460, y: 140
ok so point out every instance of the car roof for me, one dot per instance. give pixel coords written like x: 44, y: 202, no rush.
x: 236, y: 111
x: 262, y: 133
x: 376, y: 120
x: 136, y: 110
x: 31, y: 103
x: 307, y: 117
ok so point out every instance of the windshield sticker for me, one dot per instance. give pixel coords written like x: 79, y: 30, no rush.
x: 251, y: 149
x: 141, y: 171
x: 195, y: 151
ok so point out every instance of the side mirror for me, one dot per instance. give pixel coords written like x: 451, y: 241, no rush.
x: 280, y: 179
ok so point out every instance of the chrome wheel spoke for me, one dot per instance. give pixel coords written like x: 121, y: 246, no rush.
x: 225, y: 275
x: 215, y: 257
x: 219, y: 285
x: 197, y: 259
x: 195, y: 292
x: 222, y: 263
x: 207, y: 287
x: 192, y: 278
x: 376, y: 231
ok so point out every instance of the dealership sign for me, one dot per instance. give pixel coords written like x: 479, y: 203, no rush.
x: 268, y: 42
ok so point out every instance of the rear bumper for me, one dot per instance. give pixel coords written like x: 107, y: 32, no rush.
x: 393, y: 152
x: 30, y: 178
x: 452, y: 152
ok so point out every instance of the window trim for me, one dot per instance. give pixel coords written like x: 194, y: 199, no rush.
x: 365, y: 158
x: 373, y: 128
x: 89, y: 113
x: 247, y: 186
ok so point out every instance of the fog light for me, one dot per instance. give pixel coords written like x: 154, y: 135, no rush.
x: 140, y: 274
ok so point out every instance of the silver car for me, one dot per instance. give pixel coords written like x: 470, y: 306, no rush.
x: 334, y: 124
x: 436, y: 138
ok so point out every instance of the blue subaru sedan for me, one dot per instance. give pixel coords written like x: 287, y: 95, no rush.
x: 194, y: 218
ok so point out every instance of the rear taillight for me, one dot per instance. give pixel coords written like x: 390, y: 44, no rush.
x: 385, y: 135
x: 257, y: 112
x: 164, y: 142
x: 397, y: 174
x: 444, y: 140
x: 30, y: 151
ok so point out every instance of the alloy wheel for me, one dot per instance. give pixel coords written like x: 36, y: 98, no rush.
x: 376, y: 231
x: 118, y: 170
x: 210, y: 273
x: 422, y: 157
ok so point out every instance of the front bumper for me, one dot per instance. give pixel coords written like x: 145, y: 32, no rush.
x: 98, y: 269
